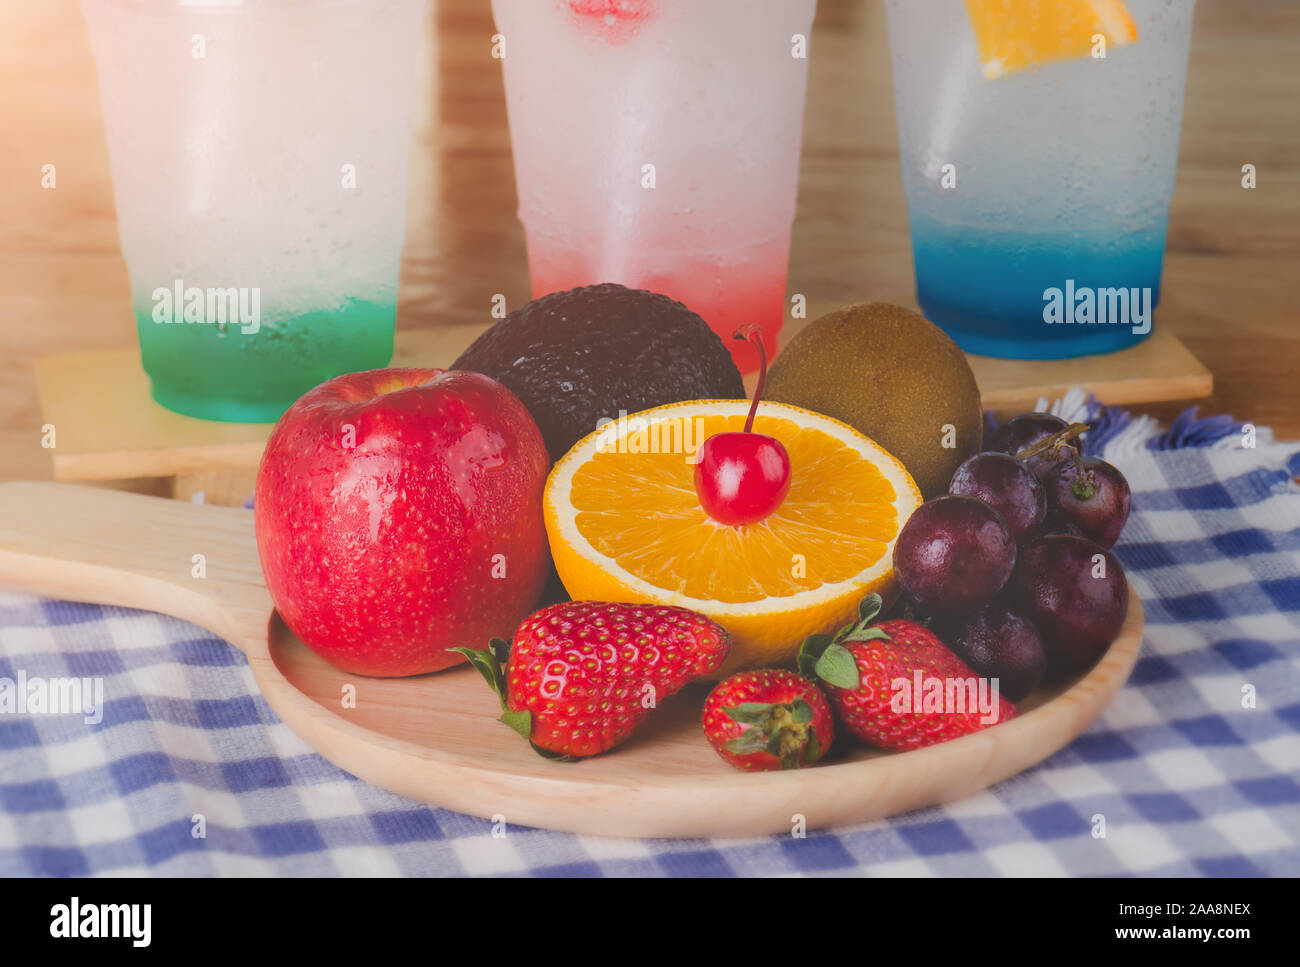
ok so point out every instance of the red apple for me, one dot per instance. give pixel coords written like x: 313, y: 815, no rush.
x: 399, y: 514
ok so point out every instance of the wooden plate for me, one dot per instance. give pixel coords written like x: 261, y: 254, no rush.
x: 436, y: 738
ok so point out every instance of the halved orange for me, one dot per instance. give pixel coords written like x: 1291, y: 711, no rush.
x: 625, y: 524
x: 1013, y: 35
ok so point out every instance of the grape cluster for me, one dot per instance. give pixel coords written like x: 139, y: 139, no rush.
x: 1013, y: 567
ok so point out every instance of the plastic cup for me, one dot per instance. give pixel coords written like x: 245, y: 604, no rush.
x: 1038, y: 200
x: 259, y: 153
x: 656, y: 144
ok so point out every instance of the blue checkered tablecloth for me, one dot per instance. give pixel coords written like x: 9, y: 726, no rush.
x: 1189, y: 779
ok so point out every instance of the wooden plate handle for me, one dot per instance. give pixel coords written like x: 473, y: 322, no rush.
x: 110, y: 547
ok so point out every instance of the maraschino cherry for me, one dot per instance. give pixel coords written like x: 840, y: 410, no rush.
x: 742, y: 477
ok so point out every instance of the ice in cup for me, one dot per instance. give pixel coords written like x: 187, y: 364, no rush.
x: 656, y: 144
x: 1038, y: 174
x: 259, y: 153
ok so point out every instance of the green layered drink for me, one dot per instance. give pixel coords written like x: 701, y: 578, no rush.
x: 250, y: 371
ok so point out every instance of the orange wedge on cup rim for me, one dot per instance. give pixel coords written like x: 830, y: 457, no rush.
x: 1014, y: 35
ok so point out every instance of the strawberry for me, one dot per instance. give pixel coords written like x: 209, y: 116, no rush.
x: 581, y: 675
x: 896, y: 686
x: 768, y: 719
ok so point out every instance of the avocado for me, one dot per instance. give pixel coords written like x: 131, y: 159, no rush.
x: 581, y: 355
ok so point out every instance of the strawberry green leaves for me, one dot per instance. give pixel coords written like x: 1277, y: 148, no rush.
x: 828, y: 661
x: 490, y: 662
x: 780, y: 730
x: 825, y: 657
x: 750, y: 713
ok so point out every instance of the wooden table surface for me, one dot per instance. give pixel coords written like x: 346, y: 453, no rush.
x: 1233, y: 253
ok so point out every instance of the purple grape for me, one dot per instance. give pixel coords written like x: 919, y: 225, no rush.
x: 1024, y: 431
x: 953, y: 555
x: 998, y: 643
x: 1075, y: 593
x: 1093, y: 496
x: 906, y: 609
x: 1006, y: 485
x: 1055, y: 522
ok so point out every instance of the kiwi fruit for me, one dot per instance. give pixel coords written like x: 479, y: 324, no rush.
x: 577, y: 356
x: 893, y: 375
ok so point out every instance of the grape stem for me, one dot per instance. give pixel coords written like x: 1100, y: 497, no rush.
x: 1085, y: 485
x: 1054, y: 442
x: 752, y: 333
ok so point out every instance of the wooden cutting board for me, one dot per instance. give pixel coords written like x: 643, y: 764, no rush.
x: 436, y: 738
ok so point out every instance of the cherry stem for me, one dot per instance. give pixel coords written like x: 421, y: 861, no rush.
x: 752, y: 333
